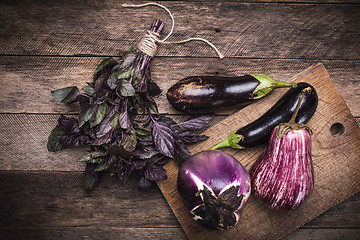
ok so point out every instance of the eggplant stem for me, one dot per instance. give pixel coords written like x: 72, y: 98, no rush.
x: 296, y: 111
x: 267, y: 85
x: 232, y: 141
x: 283, y: 128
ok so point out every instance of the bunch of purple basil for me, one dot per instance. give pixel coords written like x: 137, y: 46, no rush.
x: 119, y: 120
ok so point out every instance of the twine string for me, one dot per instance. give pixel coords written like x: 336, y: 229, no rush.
x: 148, y: 43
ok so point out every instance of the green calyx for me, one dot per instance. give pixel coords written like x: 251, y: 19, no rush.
x: 267, y: 85
x: 232, y: 141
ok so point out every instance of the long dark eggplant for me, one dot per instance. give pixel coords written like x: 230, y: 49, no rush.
x: 210, y: 93
x: 259, y: 131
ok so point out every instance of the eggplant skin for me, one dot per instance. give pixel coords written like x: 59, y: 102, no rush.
x: 259, y: 131
x: 207, y: 93
x: 217, y: 172
x: 282, y: 177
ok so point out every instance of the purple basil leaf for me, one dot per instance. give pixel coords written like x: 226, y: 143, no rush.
x: 99, y: 115
x: 163, y: 138
x: 100, y: 81
x: 161, y: 161
x: 111, y: 64
x: 143, y: 153
x: 114, y: 122
x: 90, y: 177
x: 128, y: 60
x: 54, y: 140
x: 125, y: 120
x: 139, y: 163
x: 181, y: 153
x: 155, y: 172
x: 100, y: 96
x: 150, y: 148
x: 103, y: 166
x: 103, y: 139
x: 139, y: 72
x: 173, y: 125
x: 88, y: 90
x: 144, y: 184
x: 197, y: 122
x: 75, y: 140
x: 104, y: 74
x: 129, y: 141
x: 86, y: 113
x: 118, y: 151
x: 112, y: 81
x: 69, y: 124
x: 169, y: 121
x: 108, y: 63
x: 125, y: 88
x: 145, y: 142
x: 66, y: 95
x: 93, y: 157
x: 125, y: 171
x: 142, y: 132
x: 90, y: 168
x: 83, y: 100
x: 153, y: 89
x: 188, y: 139
x: 151, y: 104
x: 105, y: 126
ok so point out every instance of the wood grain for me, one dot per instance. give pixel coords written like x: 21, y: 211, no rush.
x: 53, y: 205
x: 335, y: 160
x: 28, y: 80
x: 56, y: 199
x: 246, y: 30
x: 103, y: 233
x: 23, y: 140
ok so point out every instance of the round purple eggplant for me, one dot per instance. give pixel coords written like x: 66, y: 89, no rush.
x: 215, y: 187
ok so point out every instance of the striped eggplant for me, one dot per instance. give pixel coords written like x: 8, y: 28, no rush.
x: 282, y: 176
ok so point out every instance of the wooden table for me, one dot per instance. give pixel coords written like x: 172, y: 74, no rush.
x: 45, y: 45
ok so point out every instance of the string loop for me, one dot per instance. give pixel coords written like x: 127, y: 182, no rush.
x: 148, y: 43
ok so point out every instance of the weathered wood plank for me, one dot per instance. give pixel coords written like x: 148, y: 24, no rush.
x: 57, y: 199
x: 342, y: 215
x: 103, y: 233
x: 23, y: 141
x: 110, y: 233
x: 52, y: 205
x: 247, y: 30
x: 328, y: 234
x: 153, y: 233
x: 27, y: 81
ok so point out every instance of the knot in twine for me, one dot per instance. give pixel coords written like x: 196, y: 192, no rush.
x: 148, y: 44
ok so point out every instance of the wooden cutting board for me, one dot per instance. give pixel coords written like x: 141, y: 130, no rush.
x: 336, y: 162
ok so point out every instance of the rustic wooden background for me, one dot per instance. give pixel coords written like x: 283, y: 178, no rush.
x: 48, y: 44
